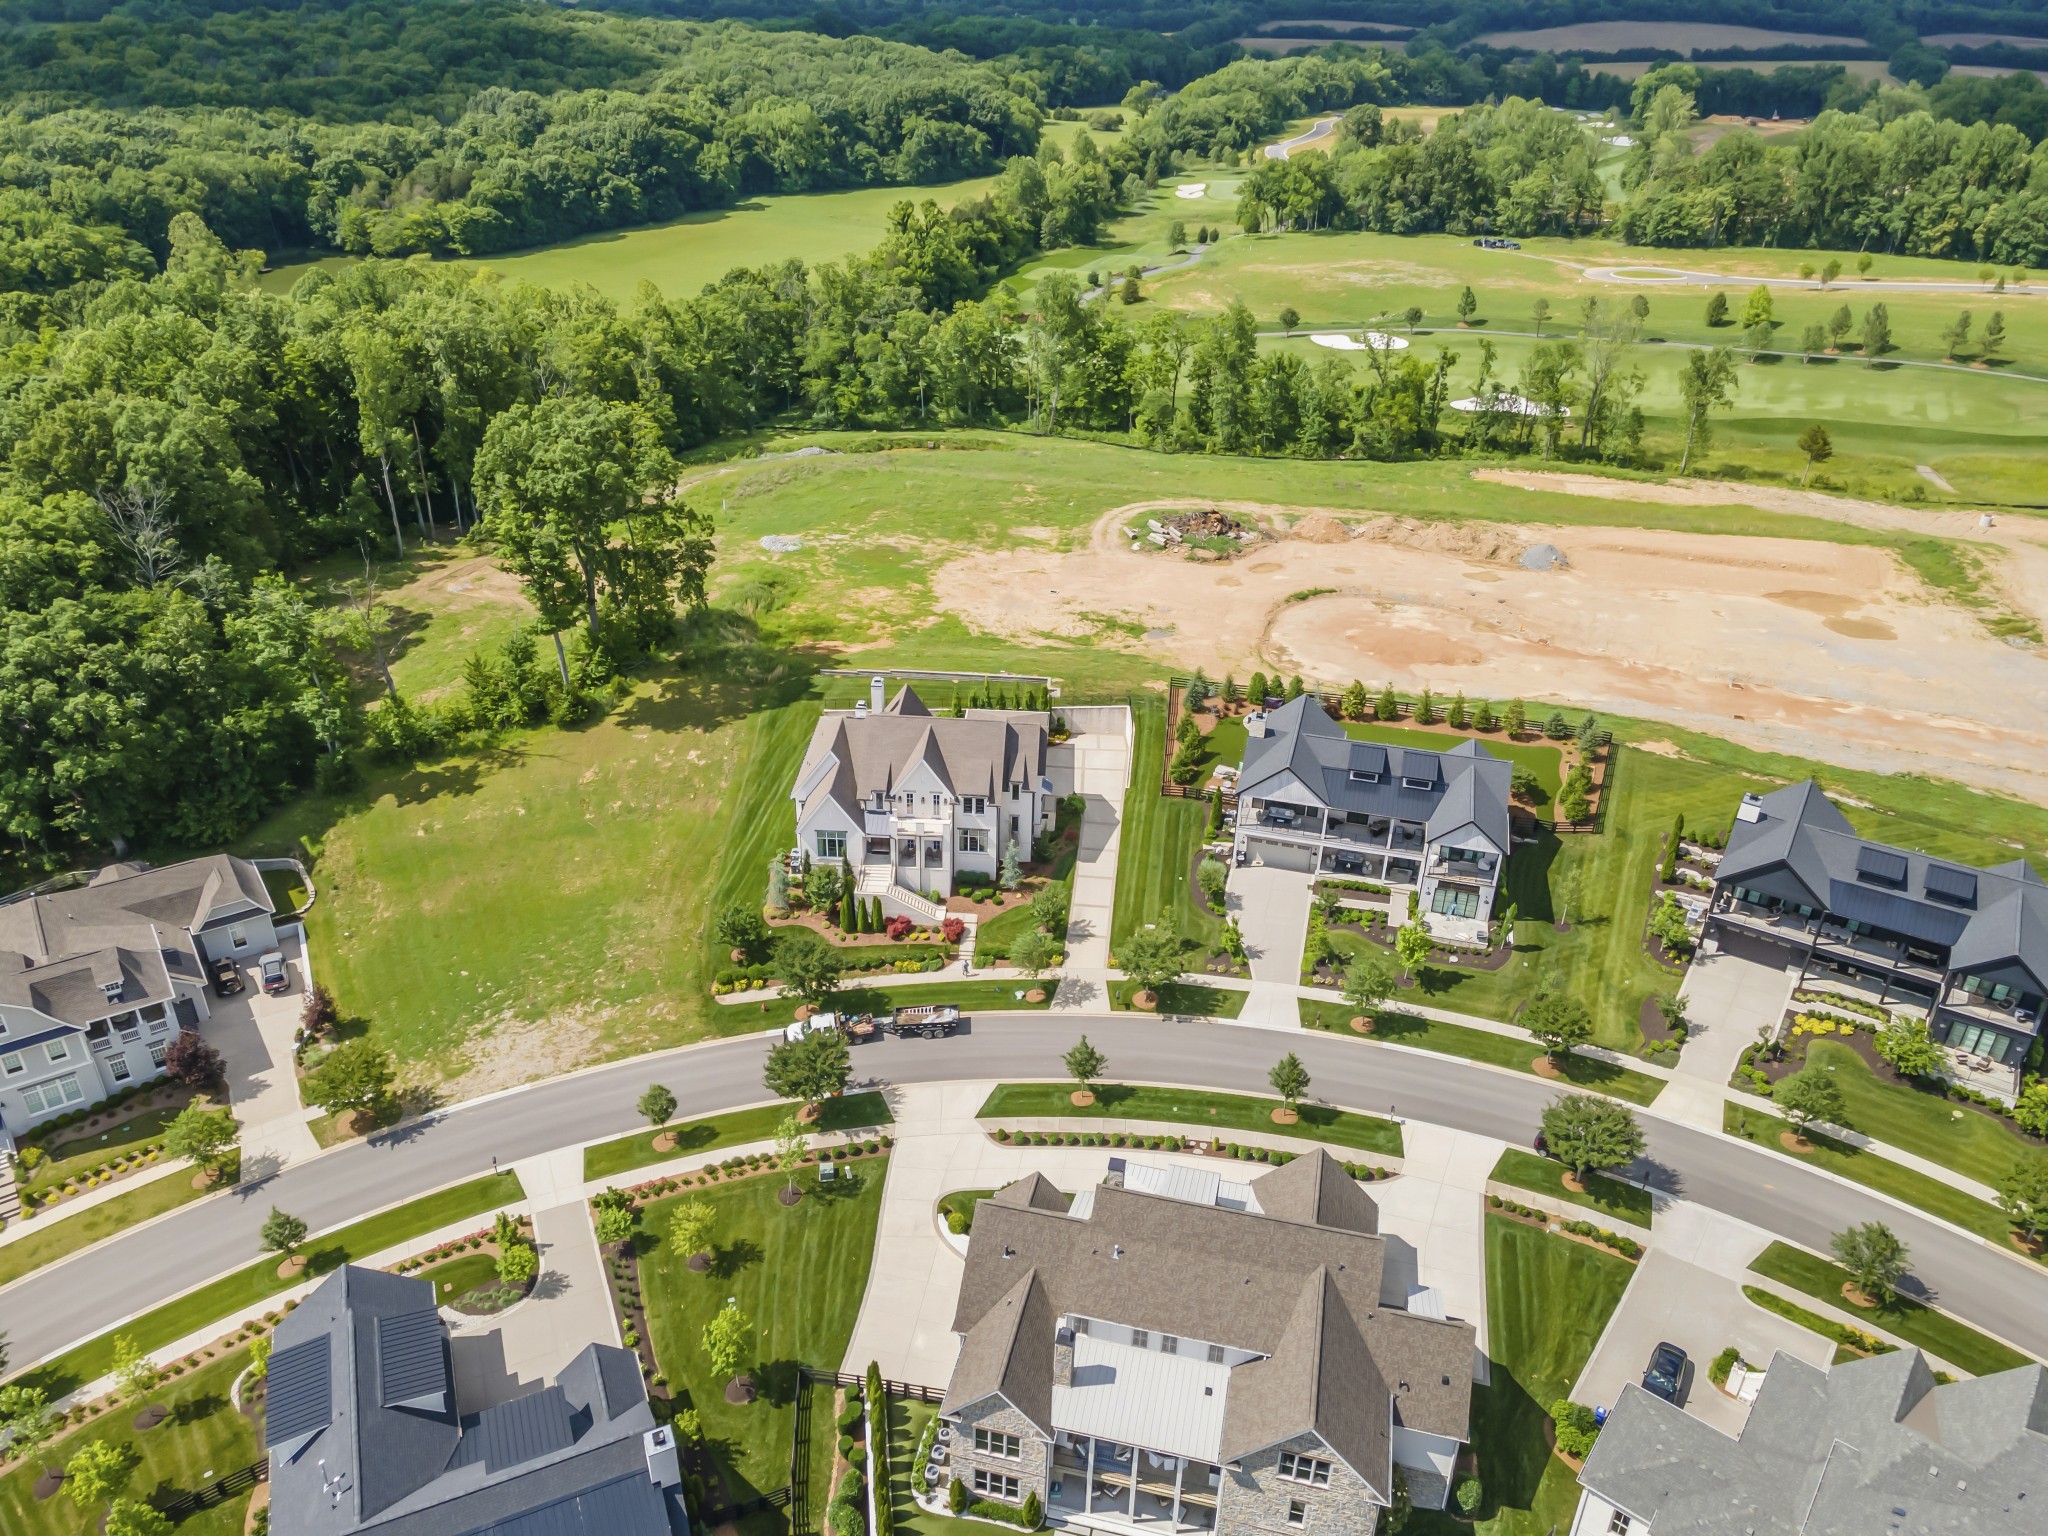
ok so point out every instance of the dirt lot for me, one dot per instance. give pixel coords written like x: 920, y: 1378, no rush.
x: 1828, y: 651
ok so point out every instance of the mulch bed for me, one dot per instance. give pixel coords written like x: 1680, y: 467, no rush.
x: 1650, y: 1021
x: 1542, y: 1223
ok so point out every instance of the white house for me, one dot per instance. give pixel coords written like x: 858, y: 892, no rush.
x: 911, y: 803
x: 1310, y: 798
x: 95, y: 980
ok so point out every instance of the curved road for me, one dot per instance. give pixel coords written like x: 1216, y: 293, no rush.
x: 1321, y: 130
x: 48, y: 1310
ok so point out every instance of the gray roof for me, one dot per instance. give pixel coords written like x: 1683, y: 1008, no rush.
x: 876, y: 752
x: 1467, y: 784
x: 1316, y: 1190
x: 1983, y: 917
x: 1235, y: 1278
x: 59, y: 950
x: 1871, y: 1448
x: 380, y: 1460
x: 1008, y: 1353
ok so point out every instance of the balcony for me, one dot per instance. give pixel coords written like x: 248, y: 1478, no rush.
x: 1484, y: 870
x: 2020, y: 1015
x: 1870, y: 949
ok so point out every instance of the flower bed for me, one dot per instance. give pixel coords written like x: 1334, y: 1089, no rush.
x: 1138, y: 1141
x: 1584, y: 1231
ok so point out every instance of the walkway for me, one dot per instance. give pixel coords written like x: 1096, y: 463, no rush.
x: 1096, y: 766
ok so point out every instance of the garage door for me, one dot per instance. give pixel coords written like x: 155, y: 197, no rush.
x: 1275, y: 855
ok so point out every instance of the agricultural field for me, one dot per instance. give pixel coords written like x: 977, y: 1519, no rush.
x: 1977, y: 424
x: 1679, y: 36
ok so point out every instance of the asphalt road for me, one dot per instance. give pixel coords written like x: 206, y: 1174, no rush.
x: 52, y: 1308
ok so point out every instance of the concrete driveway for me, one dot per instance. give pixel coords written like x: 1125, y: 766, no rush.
x: 1096, y: 766
x: 1728, y: 998
x: 253, y: 1032
x: 1271, y: 906
x: 1702, y: 1313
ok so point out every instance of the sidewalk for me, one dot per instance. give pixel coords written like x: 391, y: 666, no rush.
x: 49, y: 1216
x: 1101, y: 773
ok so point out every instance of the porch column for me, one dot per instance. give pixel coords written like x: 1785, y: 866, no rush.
x: 1179, y: 1480
x: 1088, y: 1481
x: 1131, y: 1503
x: 1884, y: 992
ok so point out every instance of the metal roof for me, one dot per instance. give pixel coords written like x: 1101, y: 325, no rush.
x: 538, y: 1424
x: 1172, y: 1403
x: 1883, y: 865
x: 1947, y: 883
x: 411, y: 1361
x: 300, y: 1395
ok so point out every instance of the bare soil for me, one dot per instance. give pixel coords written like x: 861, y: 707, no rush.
x: 1836, y: 652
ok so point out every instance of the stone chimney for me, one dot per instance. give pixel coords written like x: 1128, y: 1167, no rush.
x: 1063, y: 1358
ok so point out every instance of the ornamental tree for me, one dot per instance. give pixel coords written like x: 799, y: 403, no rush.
x: 1808, y: 1095
x: 1084, y: 1064
x: 1589, y: 1133
x: 809, y: 1068
x: 2022, y: 1195
x: 1411, y: 947
x: 791, y: 1144
x: 357, y: 1076
x: 692, y: 1228
x: 1151, y: 957
x: 203, y: 1135
x: 657, y: 1105
x: 809, y: 970
x: 95, y: 1473
x: 1289, y: 1078
x: 1367, y: 983
x: 1558, y: 1023
x: 728, y: 1341
x: 1874, y: 1257
x: 282, y: 1232
x: 741, y: 928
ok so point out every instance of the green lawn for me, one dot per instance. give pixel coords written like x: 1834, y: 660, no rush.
x: 86, y: 1151
x: 1185, y: 997
x: 1813, y: 1322
x: 907, y: 1419
x: 1540, y: 758
x: 964, y: 1201
x: 55, y: 1235
x: 798, y: 1273
x: 992, y: 939
x: 1192, y: 1107
x: 1007, y: 996
x: 194, y: 1310
x: 1161, y: 836
x: 1547, y: 1299
x: 1542, y: 1176
x: 1925, y: 1123
x: 1478, y: 1045
x: 458, y: 1277
x: 205, y: 1438
x: 1875, y: 1172
x: 853, y: 1111
x: 1936, y: 1332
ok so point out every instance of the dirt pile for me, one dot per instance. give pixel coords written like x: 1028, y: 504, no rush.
x: 1489, y: 543
x: 1207, y: 523
x: 1320, y: 528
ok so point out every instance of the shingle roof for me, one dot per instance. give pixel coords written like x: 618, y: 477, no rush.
x: 1873, y: 1446
x: 1315, y: 1189
x: 1205, y: 1272
x: 873, y: 754
x: 1468, y: 784
x: 1009, y: 1352
x: 1983, y: 916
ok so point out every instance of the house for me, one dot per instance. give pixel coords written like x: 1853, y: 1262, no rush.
x: 365, y: 1432
x: 1967, y: 946
x: 1170, y: 1352
x: 1310, y: 798
x: 911, y: 803
x: 1871, y: 1448
x: 95, y: 979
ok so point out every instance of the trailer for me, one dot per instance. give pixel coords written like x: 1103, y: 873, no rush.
x: 928, y: 1021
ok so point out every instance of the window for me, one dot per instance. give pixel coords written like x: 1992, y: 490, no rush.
x: 1617, y: 1524
x: 11, y: 1063
x: 1364, y: 776
x: 970, y: 842
x: 1304, y: 1469
x: 1080, y: 1325
x: 1297, y: 1512
x: 156, y: 1053
x: 58, y: 1050
x: 1168, y: 1344
x: 831, y: 845
x: 47, y: 1098
x: 994, y: 1442
x: 154, y: 1012
x: 974, y: 805
x: 238, y: 938
x: 1141, y: 1338
x: 1215, y: 1354
x: 121, y: 1070
x: 996, y: 1485
x: 1408, y: 783
x: 1013, y: 826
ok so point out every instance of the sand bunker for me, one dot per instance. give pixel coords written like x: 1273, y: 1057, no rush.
x: 1192, y: 189
x: 1375, y: 341
x: 1829, y: 651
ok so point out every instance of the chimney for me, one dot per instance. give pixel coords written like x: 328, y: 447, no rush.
x: 663, y: 1469
x: 875, y: 694
x: 860, y: 709
x: 1063, y: 1358
x: 1255, y: 723
x: 1752, y: 809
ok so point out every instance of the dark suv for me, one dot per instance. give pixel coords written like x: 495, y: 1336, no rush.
x: 1666, y: 1375
x: 227, y: 977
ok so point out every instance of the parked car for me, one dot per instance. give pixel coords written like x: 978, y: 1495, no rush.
x: 1666, y: 1374
x: 227, y: 977
x: 926, y: 1021
x: 271, y: 971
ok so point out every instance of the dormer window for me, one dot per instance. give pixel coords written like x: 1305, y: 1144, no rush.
x: 113, y: 990
x: 1364, y: 776
x: 1418, y: 783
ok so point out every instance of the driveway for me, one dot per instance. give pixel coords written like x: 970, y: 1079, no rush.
x: 1271, y: 906
x: 1097, y: 766
x: 1702, y: 1313
x: 1729, y: 997
x: 253, y: 1032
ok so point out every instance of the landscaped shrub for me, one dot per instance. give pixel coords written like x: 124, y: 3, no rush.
x: 1723, y: 1363
x: 1469, y: 1494
x: 858, y: 1456
x: 1576, y: 1430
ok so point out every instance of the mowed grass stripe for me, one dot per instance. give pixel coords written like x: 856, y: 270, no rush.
x: 1936, y: 1332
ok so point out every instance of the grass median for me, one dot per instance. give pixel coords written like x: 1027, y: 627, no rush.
x: 1192, y: 1107
x: 1183, y: 997
x: 1539, y: 1175
x: 1850, y: 1343
x: 1411, y: 1029
x: 853, y: 1111
x: 246, y: 1287
x: 57, y: 1234
x: 1915, y: 1322
x: 1873, y: 1170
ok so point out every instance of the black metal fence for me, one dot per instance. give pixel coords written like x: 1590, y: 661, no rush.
x: 218, y: 1491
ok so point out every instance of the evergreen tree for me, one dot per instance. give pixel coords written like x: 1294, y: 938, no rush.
x: 1386, y: 707
x: 1717, y: 309
x: 1355, y: 702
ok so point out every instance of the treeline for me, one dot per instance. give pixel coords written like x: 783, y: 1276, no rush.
x: 712, y: 114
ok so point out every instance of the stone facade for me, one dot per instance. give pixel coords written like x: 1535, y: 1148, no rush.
x: 1030, y: 1466
x: 1255, y: 1497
